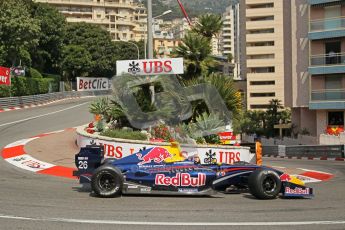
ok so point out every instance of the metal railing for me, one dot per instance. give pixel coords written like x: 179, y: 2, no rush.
x: 327, y: 59
x: 328, y: 95
x: 327, y: 24
x: 10, y: 102
x: 312, y: 151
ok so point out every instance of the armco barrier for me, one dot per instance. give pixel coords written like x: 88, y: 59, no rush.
x: 315, y: 151
x: 11, y: 102
x: 305, y: 151
x: 118, y: 148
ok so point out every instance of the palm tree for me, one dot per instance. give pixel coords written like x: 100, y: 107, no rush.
x: 196, y: 51
x: 208, y: 25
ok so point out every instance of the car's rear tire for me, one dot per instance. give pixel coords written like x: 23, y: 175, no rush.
x: 107, y: 181
x: 264, y: 184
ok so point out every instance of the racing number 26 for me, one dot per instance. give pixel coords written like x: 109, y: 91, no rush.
x: 82, y: 164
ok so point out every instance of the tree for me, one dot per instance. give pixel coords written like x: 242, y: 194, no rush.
x: 19, y: 32
x: 127, y: 51
x: 273, y: 112
x: 97, y: 42
x: 196, y: 51
x: 76, y: 62
x: 46, y: 56
x: 208, y: 25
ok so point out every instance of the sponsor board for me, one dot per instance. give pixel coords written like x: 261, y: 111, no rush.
x: 29, y: 163
x: 113, y: 149
x: 150, y: 66
x: 227, y: 138
x: 5, y: 78
x: 93, y: 84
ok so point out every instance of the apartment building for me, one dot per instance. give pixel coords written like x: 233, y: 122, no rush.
x: 164, y: 46
x: 318, y: 79
x: 268, y: 41
x: 233, y: 38
x: 226, y: 36
x: 124, y: 19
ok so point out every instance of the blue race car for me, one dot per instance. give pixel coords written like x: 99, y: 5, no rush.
x: 148, y: 172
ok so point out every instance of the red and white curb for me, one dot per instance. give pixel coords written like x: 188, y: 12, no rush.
x: 15, y: 154
x: 308, y: 158
x: 310, y: 176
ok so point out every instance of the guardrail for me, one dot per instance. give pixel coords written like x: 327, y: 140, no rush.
x: 310, y: 151
x: 11, y: 102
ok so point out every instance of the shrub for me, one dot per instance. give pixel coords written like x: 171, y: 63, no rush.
x: 124, y: 134
x: 34, y: 73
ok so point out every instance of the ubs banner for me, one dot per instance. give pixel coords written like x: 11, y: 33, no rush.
x: 150, y: 66
x: 92, y: 84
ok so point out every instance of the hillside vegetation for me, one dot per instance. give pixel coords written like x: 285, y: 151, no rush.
x: 194, y: 8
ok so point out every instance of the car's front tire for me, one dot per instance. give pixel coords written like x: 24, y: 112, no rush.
x: 107, y: 181
x: 264, y: 184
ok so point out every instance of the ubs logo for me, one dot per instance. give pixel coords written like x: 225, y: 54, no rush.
x: 133, y: 68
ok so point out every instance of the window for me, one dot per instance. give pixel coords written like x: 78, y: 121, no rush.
x: 336, y: 118
x: 262, y: 106
x: 270, y: 69
x: 263, y: 18
x: 261, y: 56
x: 260, y: 31
x: 262, y: 83
x: 262, y: 94
x: 268, y: 43
x: 263, y: 5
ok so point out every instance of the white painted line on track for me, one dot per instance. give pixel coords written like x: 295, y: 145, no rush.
x: 309, y: 170
x: 115, y: 222
x: 278, y: 167
x: 43, y: 115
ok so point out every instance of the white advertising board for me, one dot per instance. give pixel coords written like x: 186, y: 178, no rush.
x: 150, y: 66
x: 93, y: 83
x: 228, y: 155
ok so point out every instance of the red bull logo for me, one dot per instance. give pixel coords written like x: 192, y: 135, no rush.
x: 285, y: 177
x: 181, y: 180
x: 297, y: 191
x: 156, y: 155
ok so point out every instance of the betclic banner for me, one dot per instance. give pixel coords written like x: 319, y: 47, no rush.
x: 93, y: 84
x: 5, y: 78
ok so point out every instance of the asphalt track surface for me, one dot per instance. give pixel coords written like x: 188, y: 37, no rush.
x: 33, y: 201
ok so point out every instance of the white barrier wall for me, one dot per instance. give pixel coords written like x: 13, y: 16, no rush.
x: 118, y: 148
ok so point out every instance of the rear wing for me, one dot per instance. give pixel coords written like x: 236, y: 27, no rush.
x: 87, y: 160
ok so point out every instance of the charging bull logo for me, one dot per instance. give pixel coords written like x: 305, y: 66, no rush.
x: 285, y: 177
x: 156, y: 155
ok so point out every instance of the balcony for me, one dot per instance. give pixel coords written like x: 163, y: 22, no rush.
x: 316, y: 2
x: 327, y: 99
x: 90, y: 3
x: 327, y: 64
x: 327, y: 28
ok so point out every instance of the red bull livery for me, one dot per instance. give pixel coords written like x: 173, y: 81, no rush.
x: 152, y: 171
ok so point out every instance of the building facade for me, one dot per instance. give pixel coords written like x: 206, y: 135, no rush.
x: 318, y: 90
x: 268, y: 41
x: 124, y: 19
x: 164, y: 46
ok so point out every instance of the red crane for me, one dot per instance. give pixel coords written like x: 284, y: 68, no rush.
x: 184, y: 12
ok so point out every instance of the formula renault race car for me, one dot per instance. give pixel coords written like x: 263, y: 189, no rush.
x: 153, y: 171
